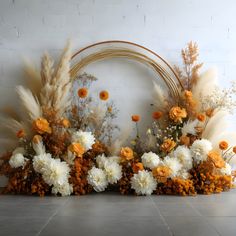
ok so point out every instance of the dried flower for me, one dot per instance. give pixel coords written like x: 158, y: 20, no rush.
x: 177, y: 114
x: 41, y: 126
x: 136, y: 167
x: 104, y: 95
x: 126, y: 154
x: 183, y: 154
x: 86, y: 139
x: 65, y: 123
x: 168, y: 145
x: 223, y: 145
x: 77, y: 148
x: 143, y: 182
x: 216, y: 159
x: 135, y: 118
x: 17, y: 160
x: 201, y: 117
x: 234, y: 149
x: 150, y: 160
x: 210, y: 112
x: 83, y: 92
x: 20, y: 133
x: 227, y: 170
x: 37, y: 139
x: 174, y: 164
x: 156, y: 115
x: 113, y: 171
x: 185, y: 140
x: 161, y: 173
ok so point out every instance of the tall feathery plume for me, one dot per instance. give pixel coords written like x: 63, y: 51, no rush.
x: 159, y: 97
x: 30, y: 103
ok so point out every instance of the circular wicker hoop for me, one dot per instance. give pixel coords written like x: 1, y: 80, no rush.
x: 122, y: 49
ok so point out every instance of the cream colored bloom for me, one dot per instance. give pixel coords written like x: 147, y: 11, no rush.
x: 183, y: 154
x: 150, y: 160
x: 86, y: 139
x: 174, y: 164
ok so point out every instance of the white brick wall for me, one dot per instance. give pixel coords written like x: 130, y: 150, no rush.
x: 29, y: 27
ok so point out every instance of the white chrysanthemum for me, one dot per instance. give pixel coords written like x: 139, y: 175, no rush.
x: 114, y: 159
x: 143, y: 182
x: 65, y: 190
x: 19, y: 150
x: 183, y: 154
x: 100, y: 160
x: 97, y: 178
x: 113, y: 171
x: 226, y: 170
x: 183, y: 174
x: 86, y: 139
x: 39, y: 147
x: 17, y: 160
x: 41, y: 161
x: 150, y: 160
x: 174, y: 164
x: 200, y: 149
x: 56, y: 172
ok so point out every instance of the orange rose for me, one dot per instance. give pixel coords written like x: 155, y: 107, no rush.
x: 223, y: 145
x: 126, y: 154
x: 161, y: 173
x: 83, y: 92
x: 168, y: 145
x: 156, y: 115
x: 135, y: 118
x: 77, y: 148
x: 65, y: 122
x: 215, y: 158
x: 137, y: 167
x: 104, y: 95
x: 37, y: 139
x: 41, y: 126
x: 177, y: 114
x: 201, y: 117
x: 20, y: 133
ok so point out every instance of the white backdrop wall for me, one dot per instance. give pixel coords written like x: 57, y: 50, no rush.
x: 29, y: 27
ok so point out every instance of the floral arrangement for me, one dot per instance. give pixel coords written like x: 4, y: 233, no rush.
x: 63, y: 141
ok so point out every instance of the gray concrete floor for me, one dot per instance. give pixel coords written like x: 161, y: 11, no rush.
x: 112, y: 214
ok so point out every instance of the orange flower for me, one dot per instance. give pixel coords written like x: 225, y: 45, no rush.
x: 201, y: 117
x: 177, y: 114
x: 156, y: 115
x: 234, y: 149
x: 137, y: 167
x: 41, y: 126
x: 37, y: 139
x: 223, y: 145
x: 104, y: 95
x: 65, y: 122
x: 126, y: 154
x: 185, y: 140
x: 210, y: 112
x: 20, y: 133
x: 161, y: 173
x: 135, y: 118
x: 216, y: 159
x: 77, y: 148
x: 109, y: 109
x: 83, y: 92
x: 168, y: 145
x: 188, y: 94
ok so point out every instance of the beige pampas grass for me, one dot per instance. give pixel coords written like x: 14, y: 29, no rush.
x: 205, y: 84
x: 216, y: 126
x: 30, y: 103
x: 159, y: 97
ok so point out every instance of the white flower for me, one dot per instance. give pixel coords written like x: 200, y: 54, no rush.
x: 189, y: 127
x: 41, y: 161
x: 39, y: 147
x: 174, y: 164
x: 226, y: 170
x: 183, y: 174
x: 97, y: 178
x: 100, y: 160
x: 19, y: 150
x: 86, y: 139
x: 114, y: 159
x: 150, y: 160
x: 56, y: 172
x: 65, y: 190
x: 183, y: 154
x: 113, y: 171
x: 143, y: 182
x: 17, y: 160
x: 200, y: 149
